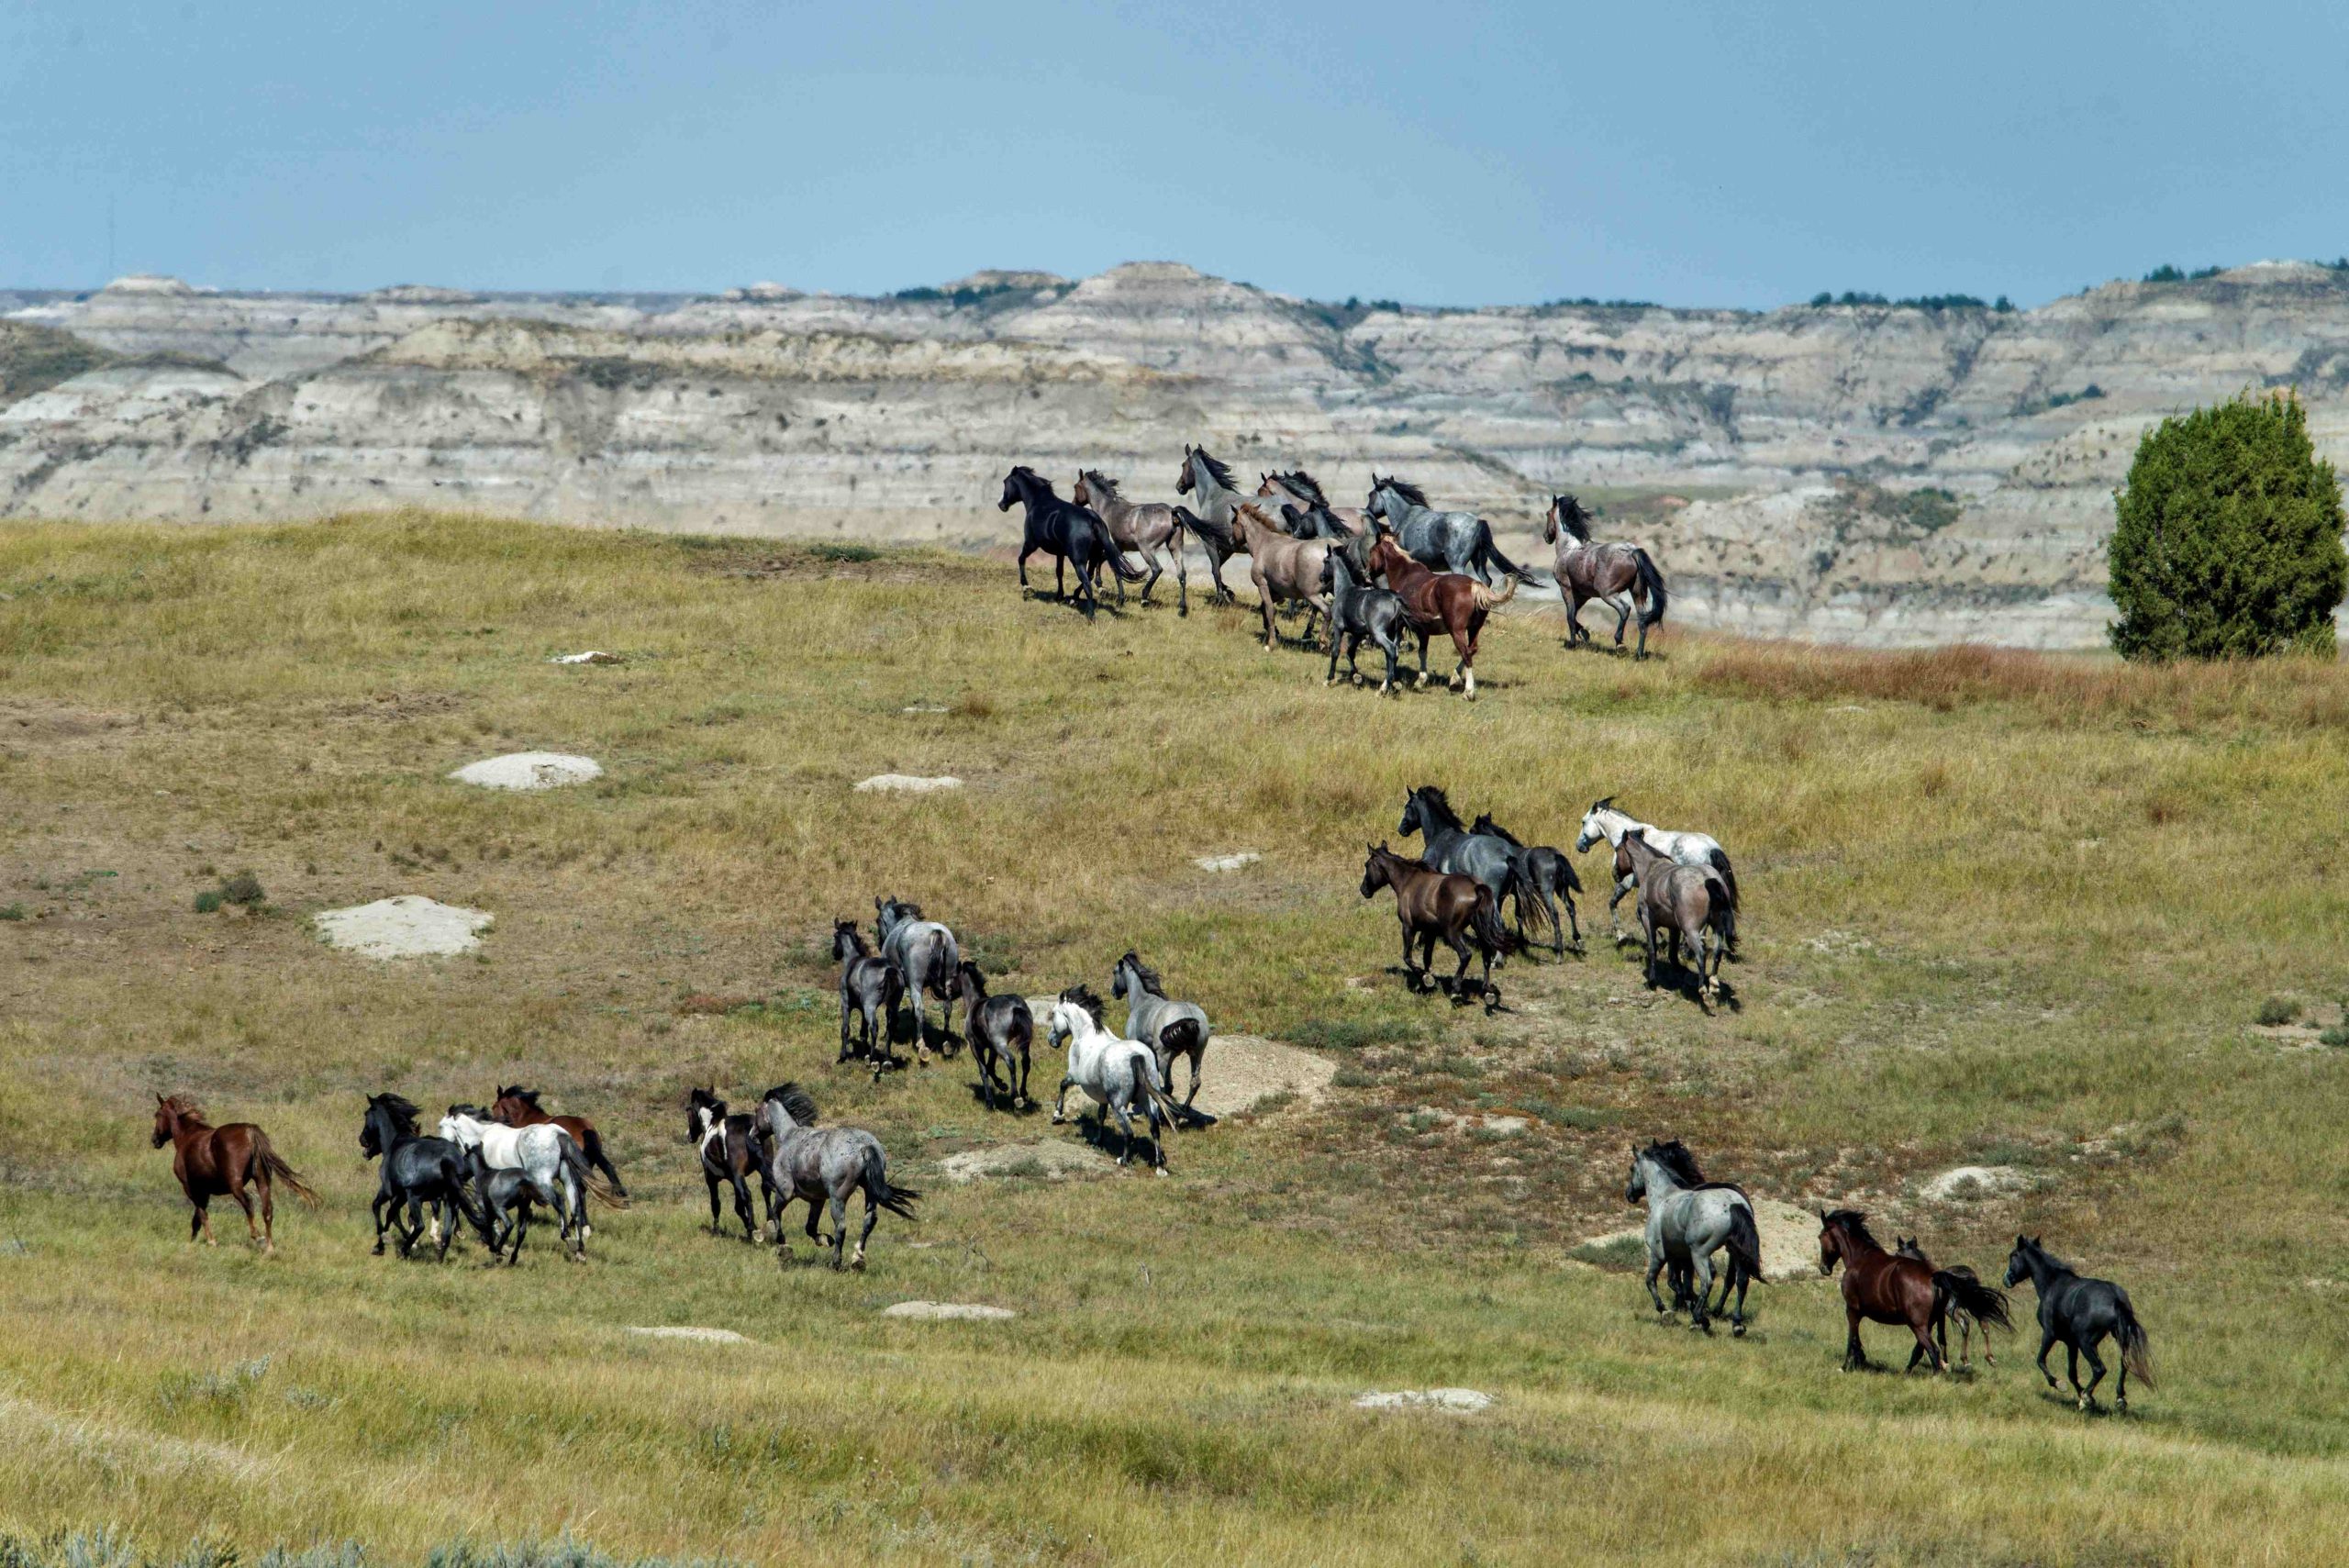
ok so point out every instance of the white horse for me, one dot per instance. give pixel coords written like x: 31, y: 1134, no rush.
x: 553, y: 1166
x: 1603, y: 820
x: 1120, y: 1076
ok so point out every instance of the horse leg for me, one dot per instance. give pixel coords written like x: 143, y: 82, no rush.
x: 847, y: 1009
x: 714, y: 1224
x: 1647, y: 928
x: 1615, y: 920
x: 2096, y: 1370
x: 1655, y: 1267
x: 1125, y: 1131
x: 377, y: 1209
x: 1331, y: 679
x: 1622, y: 608
x: 2072, y: 1371
x: 1575, y: 633
x: 1701, y: 1262
x: 1060, y: 578
x: 1411, y: 969
x: 1423, y: 659
x: 1182, y: 576
x: 1060, y: 1102
x: 2119, y: 1389
x: 1264, y: 604
x: 742, y: 1204
x: 1856, y: 1359
x: 1023, y: 570
x: 1459, y: 943
x: 872, y: 1218
x: 2047, y: 1343
x: 839, y: 1205
x: 1194, y: 1095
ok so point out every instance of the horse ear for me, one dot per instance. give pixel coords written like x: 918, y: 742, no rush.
x: 2034, y: 1241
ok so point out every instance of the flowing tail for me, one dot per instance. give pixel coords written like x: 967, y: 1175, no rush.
x: 1524, y: 886
x: 457, y: 1171
x: 1728, y: 878
x: 1987, y: 1304
x: 899, y: 1201
x: 279, y: 1171
x: 1491, y: 552
x: 1486, y: 598
x: 1181, y: 1037
x: 1653, y: 581
x: 1744, y: 1247
x: 593, y: 1147
x: 2136, y: 1350
x: 1486, y: 919
x: 597, y: 1188
x: 1217, y: 535
x: 1111, y: 556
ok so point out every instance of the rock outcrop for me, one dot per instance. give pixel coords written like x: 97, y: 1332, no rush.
x: 1872, y: 474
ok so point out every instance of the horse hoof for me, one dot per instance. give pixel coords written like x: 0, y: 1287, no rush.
x: 857, y: 1262
x: 1737, y: 1332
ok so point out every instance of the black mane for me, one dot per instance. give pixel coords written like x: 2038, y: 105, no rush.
x: 1854, y: 1224
x: 1571, y: 516
x: 1222, y: 473
x: 1097, y: 480
x: 1409, y: 492
x: 1485, y: 825
x: 1144, y: 974
x: 1674, y: 1156
x: 1304, y: 485
x: 1082, y: 995
x: 972, y: 977
x: 403, y: 1112
x: 1433, y: 799
x: 795, y: 1103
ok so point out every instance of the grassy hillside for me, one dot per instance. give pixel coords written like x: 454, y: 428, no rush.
x: 2001, y: 910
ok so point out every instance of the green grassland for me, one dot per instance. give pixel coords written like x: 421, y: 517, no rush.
x: 2000, y: 909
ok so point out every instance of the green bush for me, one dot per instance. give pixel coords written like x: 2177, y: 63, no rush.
x: 2279, y: 1010
x: 2227, y: 538
x: 12, y: 912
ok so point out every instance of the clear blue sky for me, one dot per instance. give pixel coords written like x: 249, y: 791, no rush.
x: 1456, y: 153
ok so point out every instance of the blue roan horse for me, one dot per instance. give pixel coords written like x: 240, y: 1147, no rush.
x: 1443, y: 542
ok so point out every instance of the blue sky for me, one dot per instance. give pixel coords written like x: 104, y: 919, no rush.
x: 1461, y: 153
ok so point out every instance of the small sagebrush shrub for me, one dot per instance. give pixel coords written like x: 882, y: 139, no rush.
x: 244, y: 890
x: 12, y: 912
x: 2279, y: 1010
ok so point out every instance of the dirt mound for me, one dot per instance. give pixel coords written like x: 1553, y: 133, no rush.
x: 1052, y: 1162
x: 1242, y: 1071
x: 408, y: 926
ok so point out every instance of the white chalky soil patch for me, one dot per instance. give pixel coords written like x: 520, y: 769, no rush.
x: 947, y: 1311
x: 906, y: 784
x: 408, y: 926
x: 1789, y: 1239
x: 1231, y: 861
x: 1053, y: 1161
x: 591, y: 656
x: 1462, y: 1401
x: 1966, y: 1182
x: 706, y: 1336
x: 529, y: 769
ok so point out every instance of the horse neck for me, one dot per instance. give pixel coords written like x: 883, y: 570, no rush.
x: 1857, y: 1252
x: 389, y: 1134
x: 2044, y: 1270
x: 1662, y: 1185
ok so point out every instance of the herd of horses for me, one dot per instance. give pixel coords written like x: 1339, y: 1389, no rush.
x: 1396, y: 569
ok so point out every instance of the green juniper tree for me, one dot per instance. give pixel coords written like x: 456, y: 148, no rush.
x: 2227, y: 542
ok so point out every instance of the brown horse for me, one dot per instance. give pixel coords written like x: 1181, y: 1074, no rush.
x: 1688, y: 904
x: 1431, y: 905
x: 518, y: 1107
x: 1449, y: 602
x: 1880, y: 1287
x: 1969, y: 1309
x: 1281, y: 567
x: 218, y: 1161
x: 1616, y: 575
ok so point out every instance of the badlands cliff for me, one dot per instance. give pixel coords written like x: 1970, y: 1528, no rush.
x: 1868, y: 473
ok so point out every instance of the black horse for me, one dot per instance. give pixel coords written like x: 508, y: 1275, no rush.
x: 1066, y: 531
x: 1552, y: 875
x: 2081, y: 1312
x: 1499, y: 862
x: 415, y: 1170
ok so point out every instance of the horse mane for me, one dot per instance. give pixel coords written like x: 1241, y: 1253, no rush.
x: 1409, y: 492
x: 184, y: 1107
x: 1082, y: 995
x: 1433, y: 798
x: 1485, y: 825
x: 696, y: 1097
x: 1674, y: 1156
x: 794, y: 1102
x: 972, y: 975
x: 1571, y: 516
x: 1220, y: 471
x: 1257, y: 512
x: 855, y: 935
x: 1854, y: 1224
x: 1143, y: 973
x: 402, y: 1111
x: 528, y: 1096
x: 475, y: 1112
x: 1304, y: 484
x: 1097, y: 480
x: 905, y: 910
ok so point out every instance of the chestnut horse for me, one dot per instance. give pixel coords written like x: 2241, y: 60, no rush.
x: 1439, y: 601
x: 217, y: 1161
x: 518, y: 1107
x: 1882, y: 1288
x: 1431, y: 905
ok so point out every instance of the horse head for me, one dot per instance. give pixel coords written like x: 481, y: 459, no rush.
x: 2018, y: 1261
x: 1015, y: 487
x: 1376, y: 870
x: 697, y: 1101
x: 1636, y: 1189
x: 1830, y: 1242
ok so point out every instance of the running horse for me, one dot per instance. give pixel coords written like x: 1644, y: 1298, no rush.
x: 1143, y: 527
x: 1282, y: 568
x: 1301, y: 490
x: 221, y: 1162
x: 1066, y: 532
x: 1444, y: 541
x: 1617, y: 575
x: 1438, y: 601
x: 1885, y: 1288
x: 518, y: 1107
x: 1433, y: 906
x: 1210, y: 484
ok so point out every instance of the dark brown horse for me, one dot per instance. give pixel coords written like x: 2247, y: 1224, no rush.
x: 1449, y: 602
x: 1616, y: 575
x: 518, y: 1107
x: 1433, y: 905
x: 1969, y: 1311
x: 1880, y: 1287
x: 219, y: 1162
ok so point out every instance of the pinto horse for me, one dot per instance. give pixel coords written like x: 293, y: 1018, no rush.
x: 218, y: 1161
x: 518, y: 1107
x: 1886, y: 1287
x: 1431, y: 905
x: 1438, y: 601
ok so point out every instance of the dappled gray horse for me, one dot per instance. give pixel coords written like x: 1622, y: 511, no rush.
x: 869, y: 992
x: 1447, y: 541
x: 1169, y: 1028
x: 1210, y: 484
x: 925, y: 956
x: 1686, y: 903
x: 999, y: 1029
x: 1616, y: 575
x: 1497, y: 862
x: 822, y: 1167
x: 1358, y: 610
x: 1607, y: 820
x: 1143, y: 527
x: 1689, y: 1220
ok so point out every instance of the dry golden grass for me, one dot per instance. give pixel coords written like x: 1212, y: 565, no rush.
x: 2002, y: 909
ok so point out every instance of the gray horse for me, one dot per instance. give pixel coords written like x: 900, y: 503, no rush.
x: 869, y: 992
x: 1210, y: 484
x: 1313, y: 522
x: 1358, y: 611
x: 1302, y: 489
x: 1169, y: 1028
x: 925, y: 956
x: 823, y: 1167
x: 1446, y: 541
x: 1000, y: 1029
x: 1688, y: 904
x: 1143, y: 527
x: 1499, y: 862
x: 1689, y: 1220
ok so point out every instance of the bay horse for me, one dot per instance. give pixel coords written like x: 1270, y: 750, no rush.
x: 1885, y: 1287
x: 1143, y: 527
x: 1966, y: 1319
x: 1438, y: 601
x: 1433, y: 905
x: 1443, y: 542
x: 1688, y: 904
x: 518, y: 1107
x: 1616, y: 575
x: 2081, y: 1312
x: 1299, y: 488
x: 220, y: 1162
x: 1282, y: 567
x: 1209, y: 483
x: 1066, y: 531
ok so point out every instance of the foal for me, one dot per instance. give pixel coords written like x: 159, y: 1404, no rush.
x: 732, y: 1148
x: 1885, y: 1288
x: 869, y: 992
x: 1431, y: 905
x: 1967, y: 1319
x: 217, y: 1161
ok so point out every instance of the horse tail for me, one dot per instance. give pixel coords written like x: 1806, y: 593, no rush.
x: 1745, y: 1243
x: 279, y: 1171
x: 1653, y: 581
x: 1184, y: 1037
x: 1217, y: 535
x: 592, y: 1145
x: 1722, y: 914
x: 1728, y: 878
x: 1111, y: 556
x: 1987, y: 1304
x: 2136, y: 1349
x: 575, y: 1160
x: 1491, y: 552
x: 1525, y: 887
x: 899, y: 1201
x: 1485, y: 917
x: 1485, y: 598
